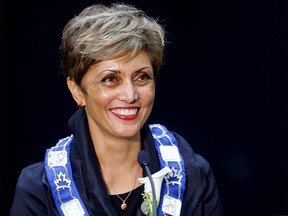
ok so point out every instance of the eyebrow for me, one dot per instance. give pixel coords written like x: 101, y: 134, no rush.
x: 118, y: 71
x: 144, y: 68
x: 111, y: 70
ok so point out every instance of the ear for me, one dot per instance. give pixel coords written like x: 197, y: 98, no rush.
x: 76, y: 92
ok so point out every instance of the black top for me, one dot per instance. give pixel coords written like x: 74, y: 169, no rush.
x: 133, y: 201
x: 33, y: 195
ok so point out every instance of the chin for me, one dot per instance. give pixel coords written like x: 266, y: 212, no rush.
x: 128, y: 132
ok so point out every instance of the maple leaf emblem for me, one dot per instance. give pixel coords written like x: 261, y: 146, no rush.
x: 62, y: 182
x: 175, y: 177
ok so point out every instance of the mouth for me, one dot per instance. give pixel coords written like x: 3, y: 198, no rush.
x: 126, y: 113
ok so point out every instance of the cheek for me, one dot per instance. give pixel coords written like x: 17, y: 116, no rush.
x: 148, y: 95
x: 99, y: 96
x: 104, y: 98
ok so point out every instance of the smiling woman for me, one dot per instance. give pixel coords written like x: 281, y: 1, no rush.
x: 111, y: 57
x: 118, y: 96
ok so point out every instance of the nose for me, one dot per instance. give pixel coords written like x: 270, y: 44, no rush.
x: 129, y: 92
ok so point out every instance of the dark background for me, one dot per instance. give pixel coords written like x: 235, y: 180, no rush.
x: 223, y: 87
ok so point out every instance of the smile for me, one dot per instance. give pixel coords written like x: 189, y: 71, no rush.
x: 125, y: 112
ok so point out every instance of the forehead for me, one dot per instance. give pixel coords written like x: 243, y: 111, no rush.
x: 125, y: 63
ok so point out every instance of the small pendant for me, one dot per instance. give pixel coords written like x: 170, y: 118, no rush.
x: 123, y: 206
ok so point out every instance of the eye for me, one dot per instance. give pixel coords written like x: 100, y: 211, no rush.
x: 143, y: 77
x: 110, y: 80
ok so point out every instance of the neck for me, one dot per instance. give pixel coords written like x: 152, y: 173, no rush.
x: 117, y: 153
x: 117, y: 157
x: 119, y: 165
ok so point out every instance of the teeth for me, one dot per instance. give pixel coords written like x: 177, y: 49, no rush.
x: 126, y: 112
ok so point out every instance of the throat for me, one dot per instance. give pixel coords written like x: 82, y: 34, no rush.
x: 122, y: 182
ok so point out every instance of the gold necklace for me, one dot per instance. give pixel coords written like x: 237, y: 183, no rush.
x: 124, y: 204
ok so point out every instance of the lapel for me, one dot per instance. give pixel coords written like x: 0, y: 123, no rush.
x: 86, y: 172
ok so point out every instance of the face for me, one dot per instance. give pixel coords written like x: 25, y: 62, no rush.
x: 119, y: 95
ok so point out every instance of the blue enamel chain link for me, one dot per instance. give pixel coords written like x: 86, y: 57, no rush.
x: 59, y: 174
x: 173, y: 187
x: 65, y: 193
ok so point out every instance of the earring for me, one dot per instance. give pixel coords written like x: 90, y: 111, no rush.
x: 80, y: 103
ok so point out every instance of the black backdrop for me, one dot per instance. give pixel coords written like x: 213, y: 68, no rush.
x: 223, y: 87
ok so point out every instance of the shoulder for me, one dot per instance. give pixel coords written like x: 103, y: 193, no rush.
x: 34, y: 166
x: 32, y: 193
x: 32, y: 180
x: 191, y: 158
x: 200, y: 181
x: 32, y: 175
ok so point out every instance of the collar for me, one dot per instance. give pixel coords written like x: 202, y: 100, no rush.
x: 86, y: 172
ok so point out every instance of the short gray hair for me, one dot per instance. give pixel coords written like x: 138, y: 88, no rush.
x: 101, y: 33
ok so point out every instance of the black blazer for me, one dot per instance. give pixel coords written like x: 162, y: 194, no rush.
x: 33, y: 195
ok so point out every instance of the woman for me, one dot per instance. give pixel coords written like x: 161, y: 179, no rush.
x: 111, y: 57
